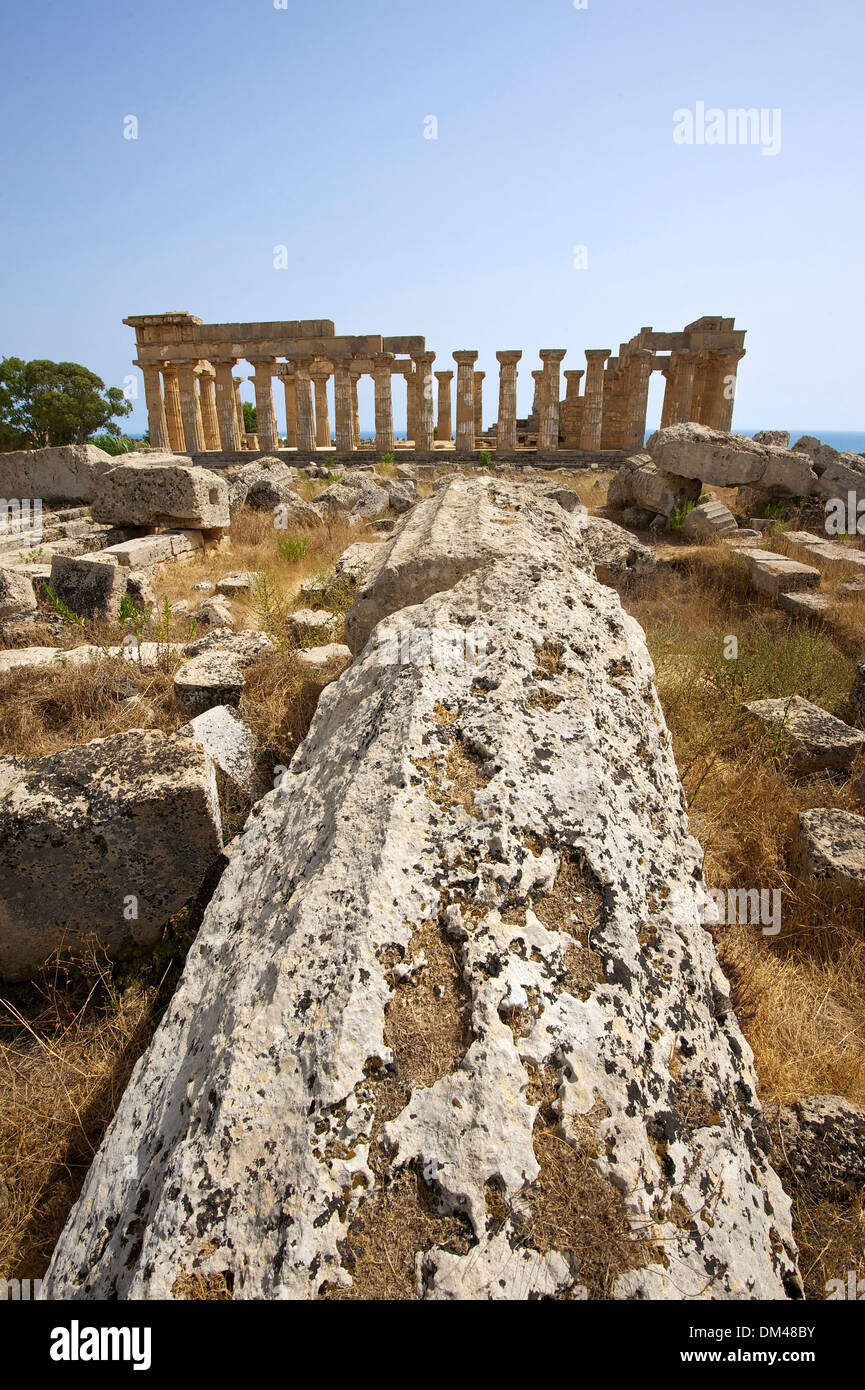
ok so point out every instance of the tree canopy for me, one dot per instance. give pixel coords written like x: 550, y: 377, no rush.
x: 45, y: 403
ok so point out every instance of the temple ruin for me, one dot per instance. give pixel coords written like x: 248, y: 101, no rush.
x: 194, y: 405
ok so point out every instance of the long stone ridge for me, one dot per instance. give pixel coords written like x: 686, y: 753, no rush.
x: 455, y: 968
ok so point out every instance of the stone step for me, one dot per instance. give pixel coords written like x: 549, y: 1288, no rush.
x: 820, y: 740
x: 777, y: 574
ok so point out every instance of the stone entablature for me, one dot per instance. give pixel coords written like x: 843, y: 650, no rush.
x: 194, y: 406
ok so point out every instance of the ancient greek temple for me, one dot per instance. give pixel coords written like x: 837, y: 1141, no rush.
x: 194, y: 404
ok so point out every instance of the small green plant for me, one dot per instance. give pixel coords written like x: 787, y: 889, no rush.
x: 387, y: 458
x: 136, y: 619
x: 774, y: 510
x: 61, y: 608
x: 485, y: 459
x: 676, y: 521
x: 334, y: 477
x: 292, y: 548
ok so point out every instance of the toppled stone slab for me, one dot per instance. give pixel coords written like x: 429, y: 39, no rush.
x: 264, y: 484
x: 16, y: 593
x: 359, y: 496
x: 148, y: 552
x: 839, y: 471
x: 619, y: 558
x: 777, y: 574
x: 831, y: 845
x: 319, y: 657
x: 241, y: 582
x: 638, y: 481
x: 90, y: 585
x: 110, y: 837
x: 731, y: 460
x: 709, y: 521
x: 214, y: 612
x: 247, y: 645
x: 304, y: 622
x: 68, y: 473
x: 162, y: 494
x: 360, y: 561
x: 781, y: 438
x: 143, y: 653
x: 822, y: 548
x: 820, y: 740
x: 213, y: 678
x: 493, y: 859
x: 819, y: 1144
x: 229, y: 743
x: 804, y: 605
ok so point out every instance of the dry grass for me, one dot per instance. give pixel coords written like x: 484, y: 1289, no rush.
x: 68, y: 1042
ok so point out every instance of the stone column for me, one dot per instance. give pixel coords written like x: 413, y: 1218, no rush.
x: 226, y: 409
x: 207, y: 396
x: 238, y: 409
x: 173, y: 415
x: 548, y: 423
x: 424, y: 401
x: 289, y: 386
x: 506, y: 428
x: 157, y: 424
x: 573, y: 410
x: 465, y: 361
x: 537, y: 378
x: 355, y: 374
x: 320, y: 374
x: 190, y: 410
x: 342, y: 408
x: 702, y: 387
x: 305, y: 416
x: 593, y: 408
x: 444, y: 424
x: 381, y: 373
x: 680, y: 388
x: 410, y: 403
x: 268, y: 439
x: 478, y: 385
x: 718, y: 407
x: 640, y: 366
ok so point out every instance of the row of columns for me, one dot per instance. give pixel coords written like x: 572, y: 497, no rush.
x: 197, y: 407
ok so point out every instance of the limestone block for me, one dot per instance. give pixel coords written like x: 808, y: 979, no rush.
x: 229, y: 743
x: 214, y: 612
x: 333, y: 653
x: 264, y: 484
x: 65, y: 474
x: 619, y: 558
x: 305, y: 622
x: 820, y: 1145
x: 804, y: 605
x: 831, y: 845
x: 241, y: 582
x: 780, y: 438
x: 777, y: 574
x: 213, y: 678
x: 451, y: 854
x: 639, y: 482
x: 731, y: 460
x: 16, y: 593
x: 162, y: 494
x: 360, y: 560
x: 128, y: 822
x: 359, y: 496
x: 91, y: 585
x: 818, y: 739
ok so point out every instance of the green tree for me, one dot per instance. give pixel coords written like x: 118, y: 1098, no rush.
x: 45, y: 402
x: 250, y: 418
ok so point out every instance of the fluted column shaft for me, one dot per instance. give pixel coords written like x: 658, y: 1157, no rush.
x: 268, y: 439
x: 355, y: 411
x: 238, y: 409
x: 342, y: 408
x: 381, y: 375
x: 173, y: 415
x: 190, y: 410
x: 593, y: 409
x: 478, y: 390
x: 548, y: 421
x: 640, y: 367
x: 157, y: 426
x: 424, y: 401
x: 444, y: 424
x: 289, y: 387
x: 573, y: 410
x: 506, y: 428
x: 226, y: 409
x: 207, y: 395
x: 305, y: 415
x: 465, y: 361
x: 320, y: 377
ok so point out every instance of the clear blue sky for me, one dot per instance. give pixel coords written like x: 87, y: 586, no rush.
x: 304, y: 127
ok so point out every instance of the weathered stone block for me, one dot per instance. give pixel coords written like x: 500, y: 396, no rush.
x: 214, y: 678
x: 91, y: 585
x: 709, y: 521
x: 110, y: 837
x: 831, y: 845
x: 162, y: 494
x: 16, y: 593
x: 819, y: 739
x: 731, y: 460
x: 65, y: 474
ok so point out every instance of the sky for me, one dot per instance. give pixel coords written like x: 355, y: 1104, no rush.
x: 266, y: 124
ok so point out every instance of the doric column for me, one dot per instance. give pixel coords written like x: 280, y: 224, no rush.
x: 190, y: 410
x: 226, y: 409
x: 548, y: 422
x: 573, y: 410
x: 305, y: 416
x: 342, y: 408
x: 465, y: 361
x: 721, y: 396
x: 382, y: 364
x: 593, y: 409
x: 238, y: 409
x: 157, y: 426
x: 700, y: 399
x: 478, y: 386
x: 444, y: 424
x: 538, y: 379
x: 680, y: 388
x: 410, y: 403
x: 268, y: 439
x: 424, y: 401
x: 355, y: 373
x: 506, y: 429
x: 640, y: 365
x: 289, y: 387
x: 173, y: 416
x: 207, y: 396
x: 320, y: 373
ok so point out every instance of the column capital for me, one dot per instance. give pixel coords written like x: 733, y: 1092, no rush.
x: 261, y: 362
x: 598, y: 354
x: 509, y: 356
x: 479, y: 376
x: 223, y: 362
x: 427, y: 358
x: 465, y: 357
x: 552, y: 354
x: 574, y: 375
x: 381, y: 362
x: 444, y: 376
